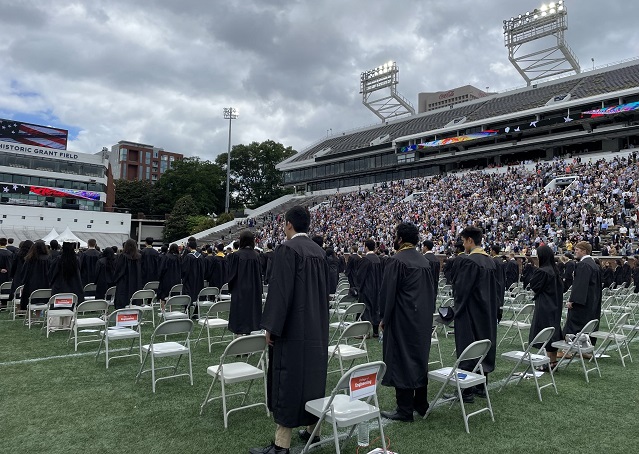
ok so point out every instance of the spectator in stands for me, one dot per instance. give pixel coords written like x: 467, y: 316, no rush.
x: 104, y: 273
x: 64, y: 274
x: 193, y: 269
x: 585, y: 298
x: 150, y: 262
x: 548, y: 286
x: 407, y: 303
x: 170, y: 272
x: 369, y: 279
x: 128, y: 274
x: 35, y: 273
x: 88, y: 262
x: 295, y: 321
x: 245, y: 286
x: 475, y: 289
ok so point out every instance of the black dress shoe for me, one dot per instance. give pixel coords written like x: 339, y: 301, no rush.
x: 395, y: 416
x: 480, y: 392
x: 421, y: 412
x: 272, y: 449
x: 468, y: 398
x: 304, y: 435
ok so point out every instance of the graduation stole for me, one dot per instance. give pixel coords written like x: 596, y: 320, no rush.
x: 478, y: 250
x: 406, y: 246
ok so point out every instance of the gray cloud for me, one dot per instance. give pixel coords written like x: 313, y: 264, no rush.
x: 160, y: 72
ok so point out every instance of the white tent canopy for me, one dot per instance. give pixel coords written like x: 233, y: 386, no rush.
x: 51, y: 236
x: 70, y: 237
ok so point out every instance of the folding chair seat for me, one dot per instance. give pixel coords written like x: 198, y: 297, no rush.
x: 96, y: 322
x: 576, y: 348
x: 143, y: 300
x: 60, y: 312
x: 350, y: 352
x: 176, y: 307
x: 353, y: 312
x: 348, y: 410
x: 212, y: 320
x: 122, y: 324
x: 520, y: 322
x: 234, y: 367
x: 5, y: 288
x: 462, y: 379
x: 175, y: 290
x: 205, y: 299
x: 89, y: 291
x: 179, y: 327
x: 434, y: 342
x: 15, y: 303
x: 36, y: 313
x: 532, y: 360
x: 615, y: 335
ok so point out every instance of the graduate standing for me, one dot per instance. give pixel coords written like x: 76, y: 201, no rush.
x: 407, y: 303
x: 64, y: 274
x: 435, y: 266
x: 128, y: 277
x: 245, y: 286
x: 150, y: 262
x: 475, y: 289
x: 369, y: 279
x: 104, y: 273
x: 585, y: 299
x: 170, y: 272
x: 296, y: 322
x: 35, y: 273
x: 193, y: 270
x: 6, y: 261
x: 88, y: 262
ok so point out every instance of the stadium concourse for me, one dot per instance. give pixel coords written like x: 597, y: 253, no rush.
x: 519, y: 207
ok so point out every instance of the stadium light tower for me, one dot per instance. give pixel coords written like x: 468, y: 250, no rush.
x: 550, y: 20
x: 230, y: 114
x: 391, y: 103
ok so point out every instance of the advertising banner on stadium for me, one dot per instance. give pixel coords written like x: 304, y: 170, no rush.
x: 35, y: 135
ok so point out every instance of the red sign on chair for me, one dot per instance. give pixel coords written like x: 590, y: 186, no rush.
x: 363, y: 383
x: 63, y: 302
x: 126, y: 319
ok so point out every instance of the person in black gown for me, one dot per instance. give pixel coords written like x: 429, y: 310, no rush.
x: 150, y: 262
x: 245, y: 286
x: 435, y: 265
x: 65, y: 273
x: 35, y: 273
x: 193, y: 272
x: 369, y: 279
x: 170, y: 272
x: 128, y: 277
x: 104, y: 273
x: 88, y: 262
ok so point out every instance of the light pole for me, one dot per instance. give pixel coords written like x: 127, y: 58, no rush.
x: 230, y: 114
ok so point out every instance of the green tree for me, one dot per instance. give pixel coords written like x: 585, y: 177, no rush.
x: 134, y: 195
x: 177, y: 224
x: 203, y: 180
x: 254, y: 178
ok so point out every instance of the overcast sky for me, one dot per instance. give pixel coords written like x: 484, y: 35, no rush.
x: 160, y: 72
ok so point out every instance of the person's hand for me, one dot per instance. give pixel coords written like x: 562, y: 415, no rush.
x: 268, y: 338
x: 569, y: 305
x: 3, y: 271
x: 381, y: 325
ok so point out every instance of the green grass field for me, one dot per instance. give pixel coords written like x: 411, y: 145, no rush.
x: 53, y: 400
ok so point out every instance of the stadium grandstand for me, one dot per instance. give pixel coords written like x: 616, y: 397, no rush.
x: 591, y: 111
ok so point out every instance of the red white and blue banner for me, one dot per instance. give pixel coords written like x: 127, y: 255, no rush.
x: 10, y: 188
x: 30, y: 134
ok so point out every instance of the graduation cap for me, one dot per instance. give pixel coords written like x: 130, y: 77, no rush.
x: 445, y: 315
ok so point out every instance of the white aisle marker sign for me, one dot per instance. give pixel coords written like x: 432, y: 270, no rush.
x: 363, y: 383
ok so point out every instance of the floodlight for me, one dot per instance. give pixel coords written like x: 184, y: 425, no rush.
x: 381, y: 78
x: 551, y: 5
x: 543, y: 8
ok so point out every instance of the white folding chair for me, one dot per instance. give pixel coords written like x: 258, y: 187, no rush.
x: 579, y: 346
x: 205, y: 299
x: 109, y: 296
x: 179, y: 327
x: 532, y: 360
x: 224, y: 293
x: 5, y: 288
x: 616, y: 335
x: 151, y: 285
x: 434, y: 342
x: 353, y: 311
x: 175, y: 290
x: 212, y: 320
x: 512, y: 304
x: 15, y: 304
x: 463, y: 379
x: 36, y: 313
x: 143, y: 300
x: 230, y: 371
x: 123, y: 324
x: 176, y: 307
x: 348, y: 410
x: 350, y: 352
x: 92, y: 325
x: 520, y: 322
x: 60, y: 312
x: 89, y: 291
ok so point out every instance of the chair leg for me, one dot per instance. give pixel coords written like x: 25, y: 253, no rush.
x: 152, y: 371
x: 381, y: 433
x: 137, y: 377
x: 226, y: 416
x: 246, y: 393
x: 106, y: 350
x: 335, y: 435
x: 490, y: 405
x: 463, y: 407
x: 208, y: 394
x: 190, y: 366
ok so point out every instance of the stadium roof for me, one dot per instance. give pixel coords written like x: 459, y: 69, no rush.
x: 603, y: 81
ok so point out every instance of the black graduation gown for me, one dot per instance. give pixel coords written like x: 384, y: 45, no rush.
x: 150, y: 262
x: 369, y: 280
x: 333, y: 270
x: 527, y: 273
x: 607, y: 277
x: 128, y: 280
x: 6, y: 262
x: 475, y: 289
x: 170, y: 274
x: 217, y: 272
x: 549, y: 290
x: 500, y: 275
x: 245, y: 287
x: 435, y: 267
x: 626, y: 272
x: 88, y: 261
x: 16, y: 272
x: 585, y: 296
x: 296, y: 315
x: 407, y: 303
x: 448, y: 270
x: 635, y: 277
x: 266, y: 265
x: 569, y: 274
x: 35, y: 275
x: 61, y: 285
x: 512, y: 273
x: 618, y: 276
x: 193, y: 269
x: 351, y: 269
x: 342, y: 264
x: 104, y: 278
